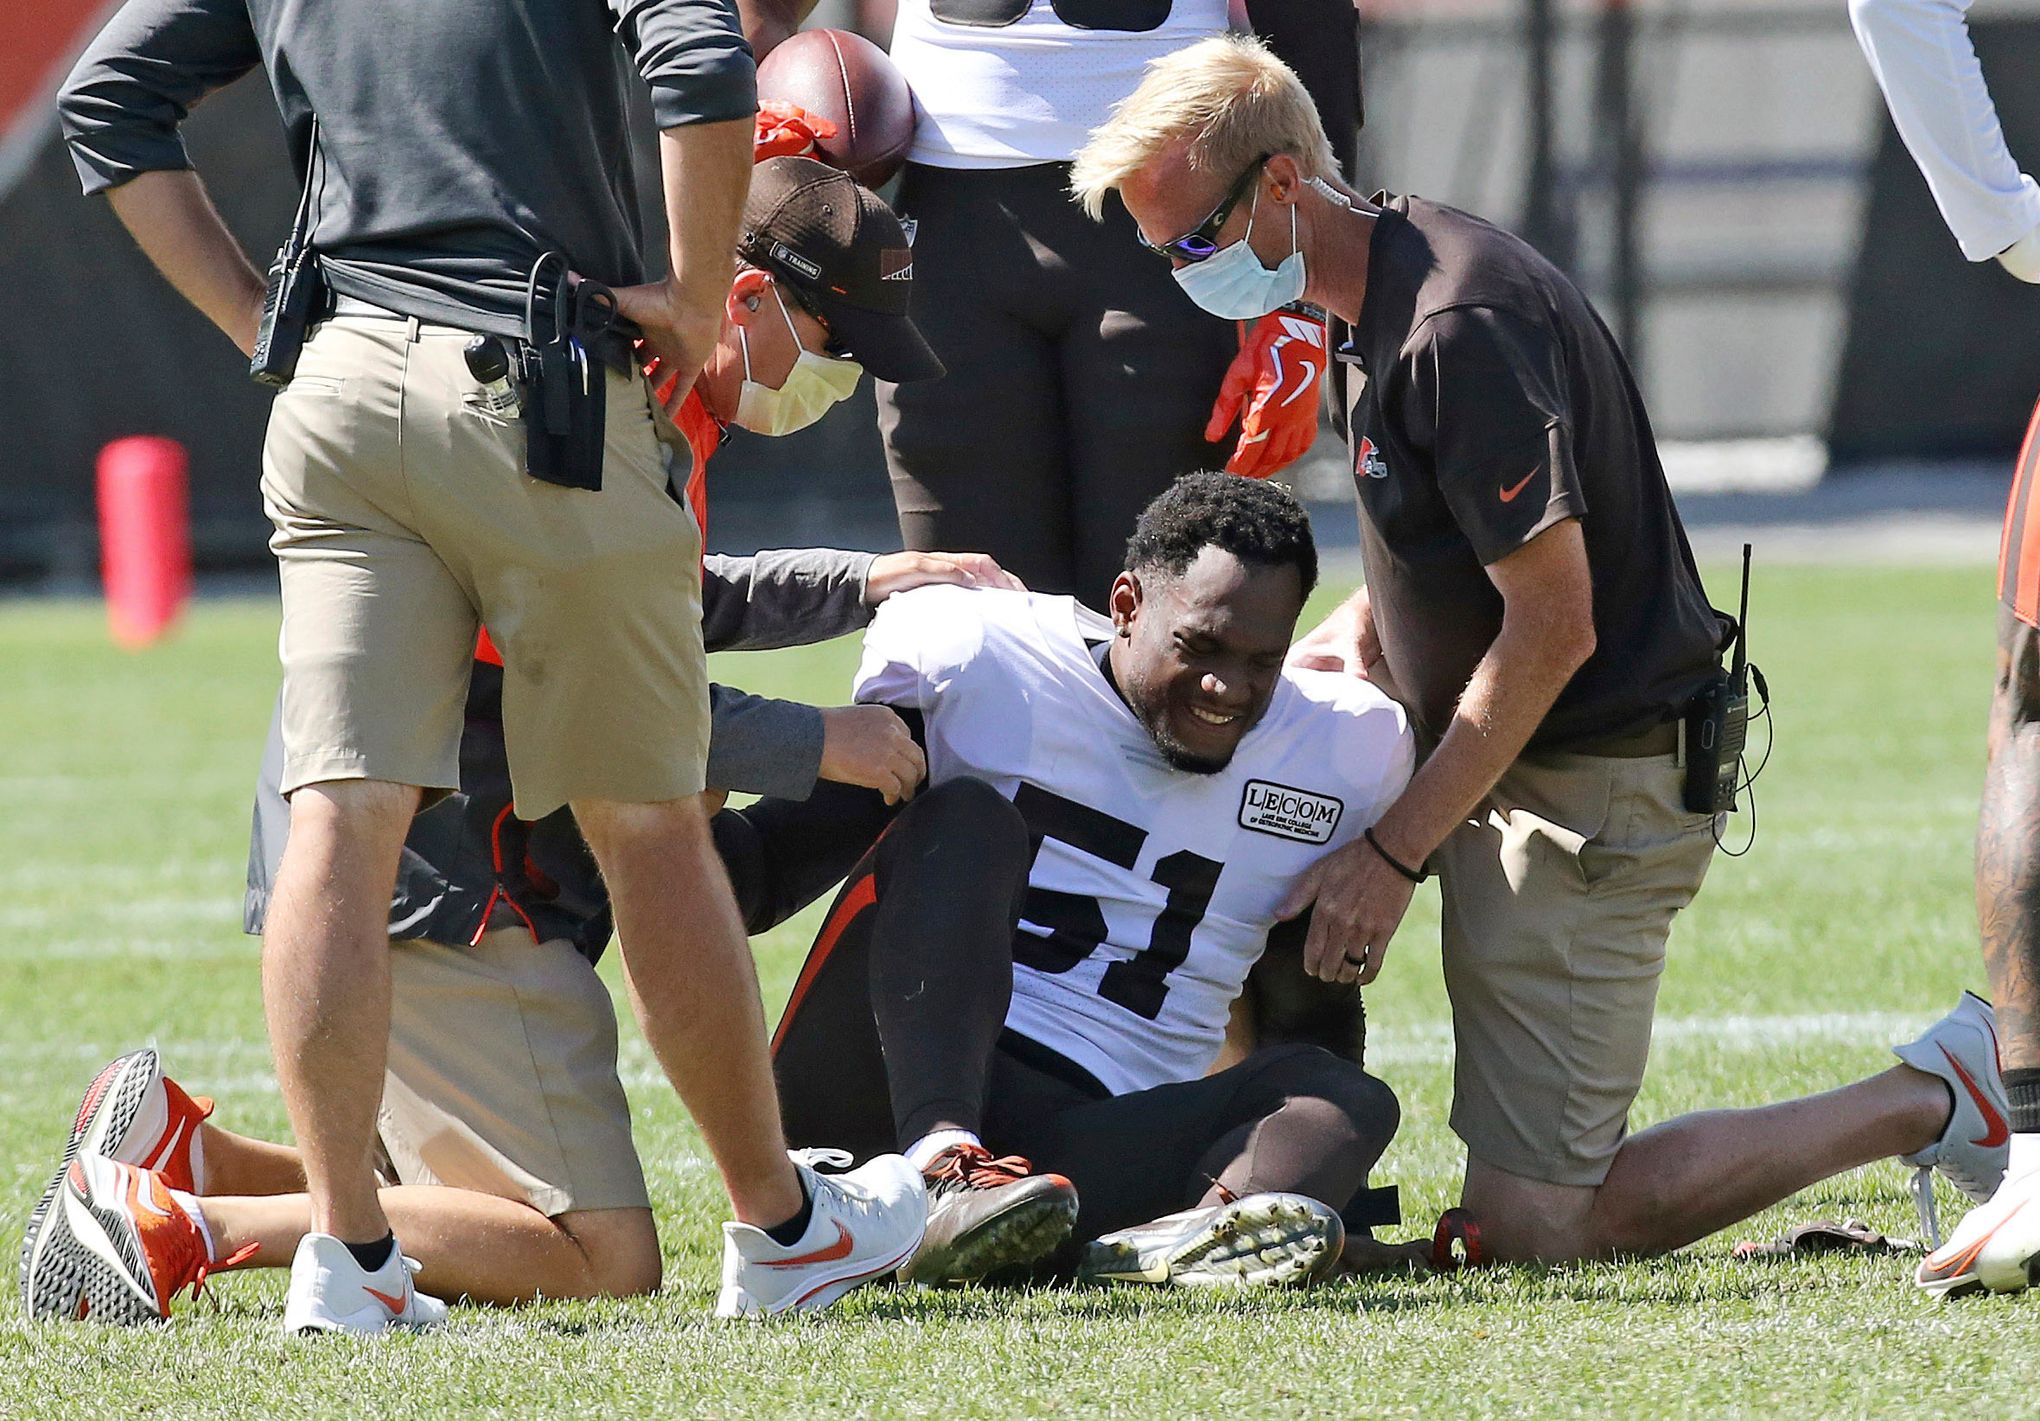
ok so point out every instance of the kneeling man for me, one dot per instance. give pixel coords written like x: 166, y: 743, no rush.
x: 1039, y: 956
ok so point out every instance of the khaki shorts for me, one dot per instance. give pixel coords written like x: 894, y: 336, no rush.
x: 502, y: 1076
x: 1558, y: 899
x: 404, y: 519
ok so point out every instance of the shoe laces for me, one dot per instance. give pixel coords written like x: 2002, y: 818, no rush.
x: 831, y: 1191
x: 206, y: 1269
x: 1923, y: 1202
x: 969, y: 1167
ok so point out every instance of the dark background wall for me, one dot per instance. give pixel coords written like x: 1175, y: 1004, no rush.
x: 1942, y: 358
x: 1938, y: 358
x: 94, y: 345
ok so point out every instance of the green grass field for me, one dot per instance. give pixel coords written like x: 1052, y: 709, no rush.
x: 126, y: 784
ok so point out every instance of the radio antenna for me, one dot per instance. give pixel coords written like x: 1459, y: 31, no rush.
x: 1742, y: 620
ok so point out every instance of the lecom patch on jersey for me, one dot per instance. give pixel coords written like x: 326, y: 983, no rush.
x: 1289, y: 813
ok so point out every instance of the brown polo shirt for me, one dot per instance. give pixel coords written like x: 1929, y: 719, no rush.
x: 1485, y: 402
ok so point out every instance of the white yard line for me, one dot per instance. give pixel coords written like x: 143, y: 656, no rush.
x: 1403, y: 1043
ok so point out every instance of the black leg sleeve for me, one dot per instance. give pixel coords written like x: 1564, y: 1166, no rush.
x: 951, y: 875
x: 782, y: 854
x: 1295, y: 1119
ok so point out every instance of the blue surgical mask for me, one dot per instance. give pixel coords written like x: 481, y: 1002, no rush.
x: 1235, y: 285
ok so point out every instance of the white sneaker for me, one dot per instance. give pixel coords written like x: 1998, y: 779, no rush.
x: 865, y: 1224
x: 1961, y: 1049
x: 1257, y: 1240
x: 330, y: 1292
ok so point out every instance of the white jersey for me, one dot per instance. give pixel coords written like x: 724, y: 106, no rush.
x: 1152, y: 889
x: 1921, y: 53
x: 1008, y: 83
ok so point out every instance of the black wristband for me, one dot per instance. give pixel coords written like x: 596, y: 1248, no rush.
x: 1414, y: 875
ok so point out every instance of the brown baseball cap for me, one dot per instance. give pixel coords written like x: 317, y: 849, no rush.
x: 840, y: 247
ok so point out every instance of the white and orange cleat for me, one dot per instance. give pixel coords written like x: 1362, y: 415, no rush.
x: 135, y: 1114
x: 1961, y: 1049
x: 115, y: 1245
x: 330, y: 1292
x: 1995, y: 1248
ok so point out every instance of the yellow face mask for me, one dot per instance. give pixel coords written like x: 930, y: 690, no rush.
x: 815, y: 383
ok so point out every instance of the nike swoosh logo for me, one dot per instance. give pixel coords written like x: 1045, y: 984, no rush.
x: 145, y: 1196
x: 1952, y: 1266
x: 167, y: 1147
x: 141, y: 1191
x: 1995, y: 1132
x: 395, y: 1305
x: 1509, y: 494
x: 1306, y: 379
x: 839, y: 1249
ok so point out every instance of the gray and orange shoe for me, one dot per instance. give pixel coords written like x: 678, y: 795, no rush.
x: 115, y: 1246
x: 988, y: 1216
x: 1961, y: 1049
x: 134, y: 1114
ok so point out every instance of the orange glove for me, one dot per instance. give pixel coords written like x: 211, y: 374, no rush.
x: 1272, y: 389
x: 785, y: 129
x: 663, y: 389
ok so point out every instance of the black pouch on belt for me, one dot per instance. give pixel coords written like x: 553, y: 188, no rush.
x: 572, y: 333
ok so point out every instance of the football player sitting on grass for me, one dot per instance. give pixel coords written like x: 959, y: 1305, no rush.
x: 1037, y: 961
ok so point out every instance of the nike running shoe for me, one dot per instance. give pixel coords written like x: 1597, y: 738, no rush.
x: 1257, y: 1240
x: 114, y: 1246
x: 330, y: 1292
x: 1996, y: 1247
x: 1961, y: 1049
x: 135, y: 1114
x: 866, y: 1223
x: 986, y: 1215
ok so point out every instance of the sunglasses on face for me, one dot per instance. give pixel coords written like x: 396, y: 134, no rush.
x: 1201, y: 241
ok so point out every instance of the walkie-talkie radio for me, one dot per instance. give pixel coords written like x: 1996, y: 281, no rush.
x: 1718, y: 721
x: 294, y: 289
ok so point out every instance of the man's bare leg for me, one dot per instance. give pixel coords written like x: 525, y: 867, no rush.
x: 695, y: 991
x: 326, y: 988
x: 1689, y: 1177
x: 238, y: 1164
x: 2008, y: 862
x: 479, y: 1246
x: 1996, y: 1245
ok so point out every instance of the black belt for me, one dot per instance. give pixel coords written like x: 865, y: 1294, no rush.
x: 1660, y: 739
x: 612, y: 347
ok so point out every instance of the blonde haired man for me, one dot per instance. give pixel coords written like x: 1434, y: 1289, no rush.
x: 1237, y: 97
x: 1532, y: 600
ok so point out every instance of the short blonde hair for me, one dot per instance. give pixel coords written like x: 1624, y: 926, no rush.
x: 1229, y: 95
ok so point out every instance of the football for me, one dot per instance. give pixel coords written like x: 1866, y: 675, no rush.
x: 851, y: 82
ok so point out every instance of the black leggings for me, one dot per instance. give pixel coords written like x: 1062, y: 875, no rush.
x: 896, y: 1027
x: 1080, y: 378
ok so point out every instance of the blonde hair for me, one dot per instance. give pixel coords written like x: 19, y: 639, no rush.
x: 1229, y: 95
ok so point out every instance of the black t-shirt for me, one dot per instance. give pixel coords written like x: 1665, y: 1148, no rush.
x: 457, y: 140
x: 1485, y: 402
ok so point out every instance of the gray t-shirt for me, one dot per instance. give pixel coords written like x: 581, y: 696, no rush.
x: 458, y: 140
